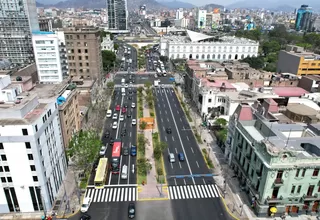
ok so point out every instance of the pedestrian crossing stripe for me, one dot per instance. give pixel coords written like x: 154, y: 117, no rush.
x: 193, y: 192
x: 112, y: 194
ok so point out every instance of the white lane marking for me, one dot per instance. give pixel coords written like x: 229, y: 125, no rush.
x: 170, y: 192
x: 130, y: 133
x: 182, y: 192
x: 176, y: 150
x: 215, y: 192
x: 197, y: 164
x: 134, y: 194
x: 163, y: 128
x: 129, y: 195
x: 166, y: 112
x: 110, y: 197
x: 184, y: 181
x: 188, y: 138
x: 178, y: 191
x: 192, y: 150
x: 177, y: 112
x: 172, y: 167
x: 185, y: 190
x: 196, y: 190
x: 207, y: 190
x: 180, y: 119
x: 121, y: 197
x: 204, y: 182
x: 211, y: 192
x: 107, y: 195
x: 160, y: 112
x: 204, y: 191
x: 103, y: 195
x: 192, y: 190
x: 175, y: 181
x: 172, y: 138
x: 120, y: 165
x: 118, y: 193
x: 126, y: 195
x: 168, y: 119
x: 200, y: 191
x: 165, y: 137
x: 180, y: 165
x: 95, y: 196
x: 161, y: 120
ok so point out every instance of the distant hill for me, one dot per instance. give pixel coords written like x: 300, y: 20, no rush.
x: 212, y: 6
x: 177, y: 4
x: 38, y: 4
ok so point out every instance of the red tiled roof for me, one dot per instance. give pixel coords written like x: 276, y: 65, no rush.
x: 245, y: 113
x: 289, y: 91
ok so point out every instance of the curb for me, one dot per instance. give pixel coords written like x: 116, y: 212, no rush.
x: 153, y: 199
x: 227, y: 209
x: 69, y: 216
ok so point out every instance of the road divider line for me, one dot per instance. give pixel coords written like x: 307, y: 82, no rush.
x: 197, y: 164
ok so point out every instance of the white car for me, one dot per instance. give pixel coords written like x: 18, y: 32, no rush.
x: 86, y: 204
x: 134, y: 121
x: 133, y: 105
x: 115, y: 116
x: 103, y: 150
x: 109, y: 113
x: 121, y: 118
x: 115, y: 125
x: 126, y: 86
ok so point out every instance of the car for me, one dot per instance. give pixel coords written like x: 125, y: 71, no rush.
x: 133, y: 151
x: 109, y: 113
x: 118, y: 107
x: 123, y: 132
x: 126, y: 86
x: 130, y: 97
x: 125, y: 151
x: 130, y: 83
x: 134, y: 90
x: 134, y: 122
x: 133, y: 81
x: 107, y: 135
x: 124, y: 110
x: 121, y: 118
x: 115, y: 116
x: 131, y: 210
x: 171, y: 157
x: 111, y: 141
x: 161, y: 86
x: 85, y: 216
x: 168, y: 130
x: 125, y: 105
x: 103, y: 151
x: 181, y: 156
x: 130, y: 90
x: 86, y: 204
x: 115, y: 125
x: 133, y: 105
x: 129, y: 115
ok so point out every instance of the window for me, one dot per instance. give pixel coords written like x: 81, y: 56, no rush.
x: 86, y: 50
x: 38, y: 140
x: 32, y: 167
x: 30, y: 156
x: 210, y: 100
x: 1, y: 146
x: 24, y: 131
x: 9, y: 179
x: 299, y: 189
x: 85, y: 44
x: 6, y: 169
x: 3, y: 158
x: 293, y: 188
x: 28, y: 145
x: 303, y: 172
x: 1, y: 169
x: 84, y: 36
x: 79, y: 50
x: 35, y: 178
x: 79, y: 57
x: 315, y: 172
x: 36, y: 127
x: 78, y: 37
x: 3, y: 179
x: 297, y: 173
x: 87, y: 64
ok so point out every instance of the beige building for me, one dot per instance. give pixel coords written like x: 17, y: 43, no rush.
x: 69, y: 112
x: 84, y: 52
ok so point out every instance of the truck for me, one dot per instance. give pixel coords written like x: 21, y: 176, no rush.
x: 156, y: 83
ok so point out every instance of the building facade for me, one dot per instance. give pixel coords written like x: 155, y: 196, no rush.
x: 296, y: 61
x: 117, y: 14
x: 179, y: 14
x: 15, y: 37
x: 45, y: 24
x: 33, y: 162
x: 202, y: 47
x: 277, y: 164
x: 48, y: 56
x: 304, y: 20
x: 107, y: 43
x: 83, y: 46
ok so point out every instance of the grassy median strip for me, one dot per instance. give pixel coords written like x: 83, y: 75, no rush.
x: 141, y: 171
x: 183, y: 105
x: 140, y: 104
x: 207, y: 158
x: 158, y: 158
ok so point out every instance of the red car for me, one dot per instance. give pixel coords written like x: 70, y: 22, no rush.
x: 118, y: 108
x: 124, y: 110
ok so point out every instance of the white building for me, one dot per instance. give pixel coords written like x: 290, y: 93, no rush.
x: 201, y: 18
x: 48, y: 57
x: 179, y: 13
x: 107, y: 43
x: 203, y: 47
x: 33, y: 162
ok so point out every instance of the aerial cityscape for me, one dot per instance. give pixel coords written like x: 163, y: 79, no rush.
x: 159, y: 110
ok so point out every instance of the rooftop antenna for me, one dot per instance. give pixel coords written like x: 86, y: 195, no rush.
x: 288, y: 139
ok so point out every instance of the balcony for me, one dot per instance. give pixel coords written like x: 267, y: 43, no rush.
x: 310, y: 197
x: 278, y: 182
x: 274, y: 199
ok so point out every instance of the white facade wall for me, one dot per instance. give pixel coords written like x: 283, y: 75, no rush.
x: 47, y: 56
x: 201, y: 18
x: 179, y: 14
x: 218, y: 51
x: 44, y: 142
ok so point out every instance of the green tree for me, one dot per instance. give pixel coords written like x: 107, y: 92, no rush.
x: 249, y: 34
x: 221, y: 122
x: 116, y: 46
x: 108, y: 59
x: 254, y: 62
x: 141, y: 143
x: 270, y: 47
x: 143, y: 165
x: 83, y: 148
x: 143, y: 125
x: 140, y: 89
x: 110, y: 85
x: 148, y: 84
x: 163, y: 146
x: 222, y: 135
x: 164, y: 59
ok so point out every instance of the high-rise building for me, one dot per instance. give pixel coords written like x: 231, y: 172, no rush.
x: 143, y: 10
x: 33, y: 162
x: 304, y: 21
x: 201, y: 18
x: 49, y: 57
x: 179, y: 13
x: 83, y: 46
x: 117, y: 15
x: 17, y: 20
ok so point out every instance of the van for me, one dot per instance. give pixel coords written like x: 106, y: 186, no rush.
x: 123, y: 91
x: 124, y: 172
x: 172, y: 159
x: 109, y: 113
x: 123, y: 81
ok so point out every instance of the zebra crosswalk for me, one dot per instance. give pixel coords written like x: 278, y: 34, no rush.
x: 193, y: 192
x: 112, y: 194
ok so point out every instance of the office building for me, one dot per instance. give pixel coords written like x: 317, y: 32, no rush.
x: 33, y: 162
x: 201, y: 19
x: 45, y: 24
x: 49, y: 57
x: 276, y: 160
x: 297, y: 61
x: 179, y: 14
x: 83, y: 46
x: 304, y: 20
x: 15, y: 37
x: 117, y: 15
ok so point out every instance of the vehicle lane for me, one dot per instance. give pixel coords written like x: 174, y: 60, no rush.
x: 196, y: 158
x: 165, y: 120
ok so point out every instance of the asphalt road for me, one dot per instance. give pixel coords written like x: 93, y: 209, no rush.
x: 143, y: 78
x: 133, y: 55
x: 170, y: 115
x: 129, y: 139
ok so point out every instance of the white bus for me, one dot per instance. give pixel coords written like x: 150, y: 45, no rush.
x: 123, y: 91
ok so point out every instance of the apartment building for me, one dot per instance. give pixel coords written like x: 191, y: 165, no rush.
x: 45, y: 24
x: 84, y: 52
x: 276, y: 161
x: 297, y: 61
x: 33, y: 162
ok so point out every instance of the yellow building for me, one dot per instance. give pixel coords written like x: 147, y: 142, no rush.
x: 297, y: 61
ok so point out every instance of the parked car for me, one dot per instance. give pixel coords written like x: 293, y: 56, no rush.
x: 133, y: 150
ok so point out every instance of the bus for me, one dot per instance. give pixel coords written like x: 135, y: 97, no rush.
x: 115, y: 157
x: 101, y: 173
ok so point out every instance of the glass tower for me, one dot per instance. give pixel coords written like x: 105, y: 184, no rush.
x: 117, y: 14
x: 304, y: 18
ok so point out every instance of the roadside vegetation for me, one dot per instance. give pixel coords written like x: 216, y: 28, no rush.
x: 141, y: 58
x: 158, y: 148
x: 184, y: 107
x: 143, y: 165
x: 221, y: 131
x: 149, y: 98
x: 207, y: 158
x: 140, y: 102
